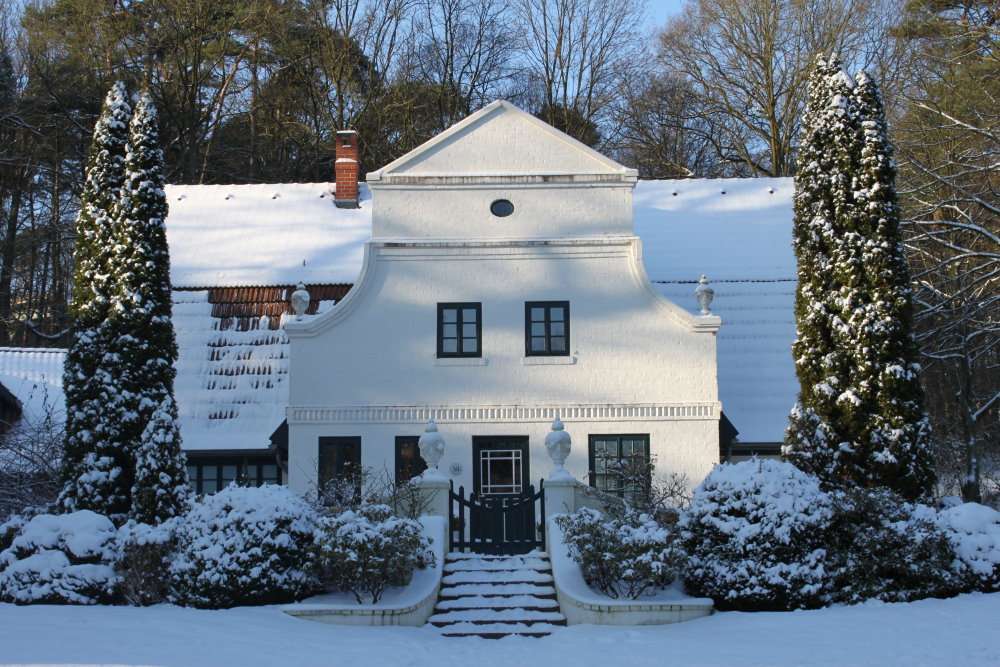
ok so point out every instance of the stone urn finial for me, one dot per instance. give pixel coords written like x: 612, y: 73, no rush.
x: 431, y: 449
x: 300, y: 301
x: 559, y: 443
x: 704, y: 294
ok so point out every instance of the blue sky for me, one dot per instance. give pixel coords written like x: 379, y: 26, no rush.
x: 661, y: 10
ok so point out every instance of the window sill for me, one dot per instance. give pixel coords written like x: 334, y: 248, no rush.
x: 548, y: 361
x: 460, y: 361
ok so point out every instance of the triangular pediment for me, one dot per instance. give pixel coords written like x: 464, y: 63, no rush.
x: 501, y: 140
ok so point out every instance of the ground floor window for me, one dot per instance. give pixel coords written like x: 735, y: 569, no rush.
x: 340, y: 471
x: 210, y: 474
x: 619, y: 464
x: 408, y: 461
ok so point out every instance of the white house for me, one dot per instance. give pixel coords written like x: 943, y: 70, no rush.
x: 503, y: 287
x: 578, y: 233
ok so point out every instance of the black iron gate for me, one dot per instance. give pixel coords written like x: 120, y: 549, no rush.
x: 497, y: 524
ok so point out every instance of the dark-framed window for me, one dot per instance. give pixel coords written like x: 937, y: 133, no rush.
x: 460, y: 330
x: 619, y: 464
x: 546, y: 328
x: 408, y: 461
x: 211, y: 474
x: 340, y: 469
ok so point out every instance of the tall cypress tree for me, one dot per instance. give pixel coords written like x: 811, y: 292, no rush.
x: 96, y: 468
x: 859, y: 419
x: 814, y: 440
x: 898, y: 453
x: 143, y: 343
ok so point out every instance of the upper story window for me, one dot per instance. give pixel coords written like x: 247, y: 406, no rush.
x: 460, y: 330
x: 546, y: 326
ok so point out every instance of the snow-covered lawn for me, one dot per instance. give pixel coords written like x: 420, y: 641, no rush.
x: 961, y: 631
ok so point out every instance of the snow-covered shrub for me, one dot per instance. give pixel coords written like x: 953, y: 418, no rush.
x: 621, y: 556
x: 60, y: 559
x: 143, y: 558
x: 974, y: 531
x: 243, y: 546
x: 881, y: 547
x: 365, y: 551
x: 754, y: 537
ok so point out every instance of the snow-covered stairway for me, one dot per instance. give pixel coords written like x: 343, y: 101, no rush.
x: 497, y: 596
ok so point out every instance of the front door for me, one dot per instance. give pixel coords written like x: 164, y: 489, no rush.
x: 504, y: 522
x: 500, y: 465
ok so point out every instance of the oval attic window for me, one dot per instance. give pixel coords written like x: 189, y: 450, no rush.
x: 501, y: 208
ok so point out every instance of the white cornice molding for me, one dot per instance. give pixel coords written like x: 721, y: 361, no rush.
x: 501, y: 414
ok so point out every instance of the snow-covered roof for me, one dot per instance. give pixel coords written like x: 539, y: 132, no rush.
x: 275, y: 234
x: 35, y: 376
x: 232, y: 380
x: 738, y: 232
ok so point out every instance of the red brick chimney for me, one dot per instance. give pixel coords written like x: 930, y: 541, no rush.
x: 346, y: 170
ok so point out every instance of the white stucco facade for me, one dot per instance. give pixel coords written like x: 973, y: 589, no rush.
x: 637, y: 364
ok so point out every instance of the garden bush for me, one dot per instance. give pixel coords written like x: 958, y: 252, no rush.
x: 59, y: 559
x: 881, y: 547
x: 143, y: 560
x: 365, y: 551
x: 621, y: 556
x: 974, y: 531
x: 243, y: 546
x: 754, y: 534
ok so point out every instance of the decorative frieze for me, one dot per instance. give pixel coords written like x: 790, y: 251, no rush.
x: 379, y: 414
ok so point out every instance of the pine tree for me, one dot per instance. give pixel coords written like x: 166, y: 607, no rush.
x: 143, y: 343
x: 859, y: 419
x: 96, y: 469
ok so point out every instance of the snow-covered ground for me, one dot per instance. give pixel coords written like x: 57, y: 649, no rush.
x: 960, y: 631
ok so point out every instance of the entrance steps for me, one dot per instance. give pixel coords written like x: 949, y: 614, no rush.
x: 497, y: 596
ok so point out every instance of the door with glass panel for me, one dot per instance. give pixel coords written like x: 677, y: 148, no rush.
x: 500, y: 480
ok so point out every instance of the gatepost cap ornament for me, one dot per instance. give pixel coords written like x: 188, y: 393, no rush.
x: 431, y: 450
x: 558, y: 443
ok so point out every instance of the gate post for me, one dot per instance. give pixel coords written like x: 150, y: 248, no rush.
x: 433, y: 485
x: 560, y: 487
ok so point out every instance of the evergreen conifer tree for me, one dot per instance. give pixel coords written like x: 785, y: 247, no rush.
x: 161, y: 488
x: 859, y: 419
x: 96, y: 468
x: 143, y: 344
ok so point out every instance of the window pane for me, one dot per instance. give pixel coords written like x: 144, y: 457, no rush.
x: 469, y: 315
x: 192, y: 473
x: 558, y: 344
x: 556, y: 314
x: 470, y: 345
x: 538, y: 329
x: 538, y: 344
x: 449, y: 345
x: 209, y: 472
x: 537, y: 314
x: 557, y: 329
x: 469, y: 330
x: 251, y: 471
x: 229, y: 472
x: 209, y: 486
x: 450, y: 330
x: 449, y: 315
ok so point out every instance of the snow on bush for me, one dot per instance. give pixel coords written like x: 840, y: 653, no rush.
x: 143, y: 558
x: 60, y: 559
x: 368, y: 550
x: 754, y: 537
x: 974, y: 531
x: 881, y: 547
x: 243, y: 546
x: 621, y: 556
